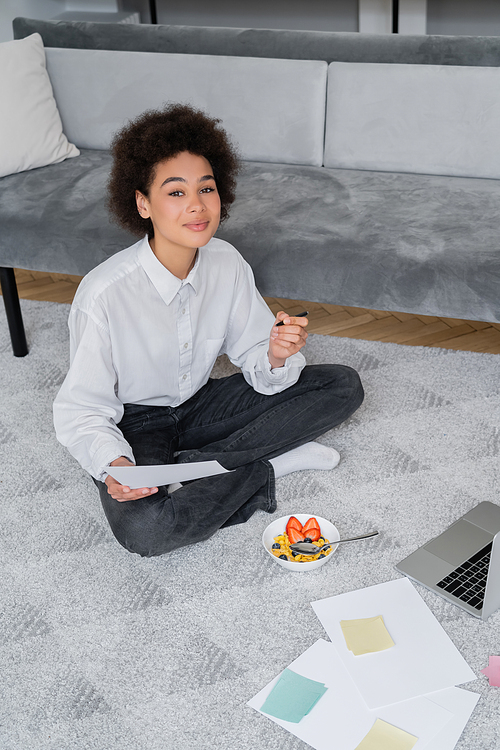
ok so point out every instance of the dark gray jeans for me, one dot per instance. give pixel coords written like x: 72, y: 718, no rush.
x: 228, y: 421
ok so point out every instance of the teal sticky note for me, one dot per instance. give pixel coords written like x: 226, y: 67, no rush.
x: 293, y: 697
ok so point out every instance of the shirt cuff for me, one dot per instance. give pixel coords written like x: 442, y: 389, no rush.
x: 279, y: 374
x: 106, y: 454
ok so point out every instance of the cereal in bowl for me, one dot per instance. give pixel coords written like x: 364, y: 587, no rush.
x: 296, y: 532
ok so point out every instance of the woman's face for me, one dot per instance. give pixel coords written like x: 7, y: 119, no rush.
x: 183, y: 204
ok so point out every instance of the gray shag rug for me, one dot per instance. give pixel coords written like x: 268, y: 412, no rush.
x: 101, y: 649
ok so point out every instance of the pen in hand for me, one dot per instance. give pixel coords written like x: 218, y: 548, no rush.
x: 300, y: 315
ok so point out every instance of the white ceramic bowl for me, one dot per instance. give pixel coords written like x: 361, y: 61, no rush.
x: 328, y: 530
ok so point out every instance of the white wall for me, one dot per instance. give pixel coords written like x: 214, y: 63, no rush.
x: 319, y: 15
x: 45, y: 9
x: 101, y: 6
x: 443, y: 16
x: 9, y: 9
x: 332, y: 15
x: 475, y: 17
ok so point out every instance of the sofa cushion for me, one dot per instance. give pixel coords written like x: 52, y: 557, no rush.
x: 273, y: 109
x: 55, y: 218
x: 413, y: 243
x: 30, y: 127
x: 426, y: 119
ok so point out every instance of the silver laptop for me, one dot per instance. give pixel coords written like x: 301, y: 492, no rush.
x: 463, y: 563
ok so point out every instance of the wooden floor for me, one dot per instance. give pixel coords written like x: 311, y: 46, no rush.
x: 330, y: 320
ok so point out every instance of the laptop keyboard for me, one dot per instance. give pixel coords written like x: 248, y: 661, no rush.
x: 468, y: 581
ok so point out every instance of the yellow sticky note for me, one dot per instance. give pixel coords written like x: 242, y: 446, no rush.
x: 366, y: 636
x: 384, y: 736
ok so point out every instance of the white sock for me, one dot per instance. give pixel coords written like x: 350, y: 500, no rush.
x: 172, y: 487
x: 308, y: 456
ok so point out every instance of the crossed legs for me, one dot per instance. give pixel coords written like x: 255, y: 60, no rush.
x: 229, y: 422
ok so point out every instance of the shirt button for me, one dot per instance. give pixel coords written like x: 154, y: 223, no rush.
x: 184, y: 376
x: 183, y: 310
x: 186, y: 346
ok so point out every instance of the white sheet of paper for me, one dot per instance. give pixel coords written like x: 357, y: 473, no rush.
x: 341, y: 718
x: 423, y: 659
x: 462, y: 704
x: 155, y: 476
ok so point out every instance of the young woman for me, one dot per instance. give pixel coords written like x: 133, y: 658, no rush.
x: 146, y: 327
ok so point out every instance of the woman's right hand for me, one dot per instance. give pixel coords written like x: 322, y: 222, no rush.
x: 121, y: 492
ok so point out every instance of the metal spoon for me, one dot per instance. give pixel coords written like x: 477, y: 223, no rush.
x: 308, y: 548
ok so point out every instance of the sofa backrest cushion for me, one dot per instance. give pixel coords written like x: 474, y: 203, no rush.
x: 425, y: 119
x: 294, y: 44
x: 274, y: 110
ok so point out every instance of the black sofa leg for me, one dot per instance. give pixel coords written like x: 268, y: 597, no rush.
x: 13, y: 310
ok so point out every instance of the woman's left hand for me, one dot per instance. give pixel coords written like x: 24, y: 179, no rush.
x: 287, y: 339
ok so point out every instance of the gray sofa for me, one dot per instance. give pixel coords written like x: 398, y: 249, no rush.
x: 371, y: 173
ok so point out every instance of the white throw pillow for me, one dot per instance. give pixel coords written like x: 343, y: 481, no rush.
x: 30, y: 126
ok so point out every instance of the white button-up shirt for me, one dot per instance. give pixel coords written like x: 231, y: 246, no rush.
x: 140, y: 335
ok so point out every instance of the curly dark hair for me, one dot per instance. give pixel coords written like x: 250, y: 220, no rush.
x: 155, y: 136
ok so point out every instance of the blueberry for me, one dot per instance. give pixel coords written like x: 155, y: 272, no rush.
x: 283, y: 557
x: 308, y: 539
x: 322, y: 555
x: 294, y: 554
x: 276, y: 546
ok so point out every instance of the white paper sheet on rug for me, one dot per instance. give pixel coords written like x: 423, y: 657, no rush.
x: 156, y: 476
x: 462, y: 704
x: 423, y: 660
x: 341, y: 718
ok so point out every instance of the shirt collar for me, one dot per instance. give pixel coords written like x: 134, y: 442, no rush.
x: 166, y: 284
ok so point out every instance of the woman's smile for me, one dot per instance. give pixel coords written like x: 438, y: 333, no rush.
x: 197, y: 226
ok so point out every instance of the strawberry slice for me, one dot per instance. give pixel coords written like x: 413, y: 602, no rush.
x: 313, y: 534
x: 310, y: 524
x: 311, y: 529
x: 294, y: 535
x: 293, y: 523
